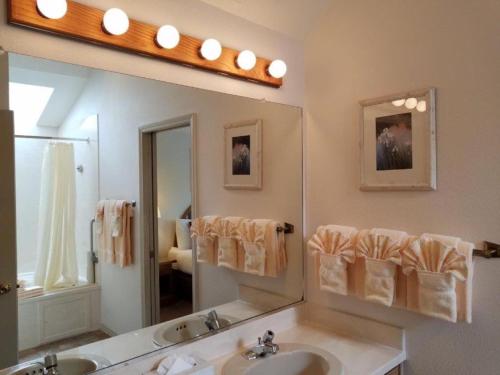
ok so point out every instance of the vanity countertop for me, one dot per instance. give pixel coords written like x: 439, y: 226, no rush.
x: 363, y: 346
x: 360, y: 357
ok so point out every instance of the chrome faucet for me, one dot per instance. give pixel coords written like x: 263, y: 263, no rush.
x: 264, y: 347
x: 212, y: 321
x: 50, y: 364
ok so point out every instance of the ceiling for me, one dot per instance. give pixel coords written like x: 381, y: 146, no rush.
x: 294, y: 18
x: 67, y: 81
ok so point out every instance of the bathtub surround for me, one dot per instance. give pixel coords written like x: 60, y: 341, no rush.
x: 368, y: 49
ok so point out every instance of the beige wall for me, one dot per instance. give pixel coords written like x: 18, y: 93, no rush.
x: 366, y: 49
x: 122, y: 112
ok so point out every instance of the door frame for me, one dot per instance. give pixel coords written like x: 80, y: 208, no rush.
x: 149, y: 238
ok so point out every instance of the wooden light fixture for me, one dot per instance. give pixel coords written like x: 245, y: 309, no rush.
x: 85, y: 23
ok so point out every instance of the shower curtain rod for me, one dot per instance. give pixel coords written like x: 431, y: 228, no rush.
x: 54, y: 138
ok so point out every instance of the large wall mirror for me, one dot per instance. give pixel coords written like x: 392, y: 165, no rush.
x: 112, y: 173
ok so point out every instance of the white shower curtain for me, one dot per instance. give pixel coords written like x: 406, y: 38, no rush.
x: 56, y: 265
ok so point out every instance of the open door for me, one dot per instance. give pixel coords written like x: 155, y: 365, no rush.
x: 8, y: 273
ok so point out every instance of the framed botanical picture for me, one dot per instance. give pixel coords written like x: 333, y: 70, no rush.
x: 243, y: 155
x: 398, y: 142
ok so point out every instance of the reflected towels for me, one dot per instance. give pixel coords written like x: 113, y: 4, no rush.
x: 114, y: 230
x: 204, y: 231
x: 264, y: 247
x: 228, y: 235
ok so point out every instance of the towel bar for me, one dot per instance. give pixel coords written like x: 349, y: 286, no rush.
x: 491, y: 250
x: 288, y: 228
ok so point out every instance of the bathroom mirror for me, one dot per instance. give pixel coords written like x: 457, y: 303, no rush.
x: 111, y: 170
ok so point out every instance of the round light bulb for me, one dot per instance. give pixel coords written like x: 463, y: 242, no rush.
x: 246, y: 60
x: 399, y: 102
x: 211, y: 49
x: 168, y: 37
x: 277, y: 69
x: 53, y: 9
x: 116, y: 21
x: 422, y: 106
x: 411, y: 103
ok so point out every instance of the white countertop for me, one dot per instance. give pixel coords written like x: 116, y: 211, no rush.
x: 359, y: 357
x: 363, y: 346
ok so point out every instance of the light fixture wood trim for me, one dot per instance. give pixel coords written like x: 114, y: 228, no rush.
x: 85, y: 23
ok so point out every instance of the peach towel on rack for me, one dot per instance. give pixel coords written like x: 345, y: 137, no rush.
x: 122, y: 233
x: 335, y: 247
x: 114, y: 231
x: 203, y: 230
x: 382, y: 253
x: 228, y: 238
x: 439, y: 266
x: 264, y: 247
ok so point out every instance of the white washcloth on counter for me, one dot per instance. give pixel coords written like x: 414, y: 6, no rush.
x: 175, y: 364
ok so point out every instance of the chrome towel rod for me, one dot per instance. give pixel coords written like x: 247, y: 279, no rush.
x: 287, y: 228
x: 54, y: 138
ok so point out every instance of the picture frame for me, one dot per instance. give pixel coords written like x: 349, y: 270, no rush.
x: 398, y: 141
x: 243, y: 155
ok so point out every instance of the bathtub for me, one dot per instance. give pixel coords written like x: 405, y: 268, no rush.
x: 58, y: 314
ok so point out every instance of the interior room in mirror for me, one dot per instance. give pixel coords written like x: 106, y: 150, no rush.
x: 116, y: 177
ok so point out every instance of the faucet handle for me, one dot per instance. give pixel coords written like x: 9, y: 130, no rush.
x: 50, y: 360
x: 268, y: 337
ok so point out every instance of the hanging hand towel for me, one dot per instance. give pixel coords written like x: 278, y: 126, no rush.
x: 438, y: 267
x: 228, y: 236
x: 253, y: 240
x: 381, y: 254
x: 335, y: 249
x: 203, y: 230
x: 122, y: 233
x: 99, y: 216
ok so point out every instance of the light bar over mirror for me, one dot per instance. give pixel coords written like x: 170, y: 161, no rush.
x: 113, y: 27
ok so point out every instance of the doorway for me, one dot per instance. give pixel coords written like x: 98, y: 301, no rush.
x: 168, y: 192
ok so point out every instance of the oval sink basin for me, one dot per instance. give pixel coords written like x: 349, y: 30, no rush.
x: 65, y: 365
x: 292, y: 359
x: 185, y: 330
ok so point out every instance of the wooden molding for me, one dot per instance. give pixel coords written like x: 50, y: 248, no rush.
x: 84, y: 23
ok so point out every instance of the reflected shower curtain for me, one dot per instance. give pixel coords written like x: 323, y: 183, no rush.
x: 56, y: 265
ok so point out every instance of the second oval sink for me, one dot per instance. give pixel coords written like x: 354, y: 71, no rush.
x: 185, y: 330
x: 292, y: 359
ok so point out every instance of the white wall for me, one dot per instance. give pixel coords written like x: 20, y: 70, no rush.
x: 85, y: 126
x: 29, y: 156
x: 191, y: 17
x: 173, y: 181
x: 362, y: 50
x: 122, y: 112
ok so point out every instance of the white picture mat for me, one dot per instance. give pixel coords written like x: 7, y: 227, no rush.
x: 252, y: 128
x: 422, y: 174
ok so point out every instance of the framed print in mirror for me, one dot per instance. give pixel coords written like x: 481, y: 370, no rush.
x: 243, y: 155
x: 398, y: 142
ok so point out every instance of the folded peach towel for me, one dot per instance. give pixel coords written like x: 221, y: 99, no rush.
x: 228, y: 237
x: 438, y: 267
x: 114, y: 229
x: 203, y: 230
x: 264, y: 247
x: 382, y: 253
x: 122, y: 233
x: 335, y: 247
